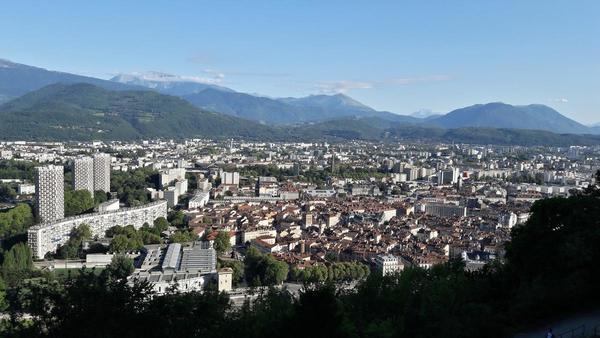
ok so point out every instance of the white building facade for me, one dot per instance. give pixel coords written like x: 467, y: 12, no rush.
x: 46, y: 237
x: 83, y: 174
x: 102, y: 172
x: 50, y: 193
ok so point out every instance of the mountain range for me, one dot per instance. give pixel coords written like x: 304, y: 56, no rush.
x: 501, y: 115
x: 86, y: 112
x: 281, y: 111
x: 60, y: 105
x: 17, y: 79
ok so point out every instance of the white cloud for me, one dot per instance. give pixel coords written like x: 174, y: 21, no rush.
x: 336, y: 87
x: 560, y: 100
x: 421, y: 79
x: 342, y: 86
x: 209, y: 77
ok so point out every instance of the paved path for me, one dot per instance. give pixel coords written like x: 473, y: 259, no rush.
x: 590, y: 320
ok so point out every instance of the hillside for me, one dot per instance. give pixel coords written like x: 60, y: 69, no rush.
x: 84, y: 111
x: 18, y: 79
x: 260, y: 109
x: 501, y: 115
x: 288, y: 110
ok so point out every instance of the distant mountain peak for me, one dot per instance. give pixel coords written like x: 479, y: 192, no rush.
x: 335, y: 101
x: 169, y: 83
x: 7, y: 64
x: 424, y: 113
x: 503, y: 115
x: 160, y: 77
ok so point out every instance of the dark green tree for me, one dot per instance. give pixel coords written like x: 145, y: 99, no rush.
x: 120, y: 267
x: 78, y: 202
x: 222, y: 242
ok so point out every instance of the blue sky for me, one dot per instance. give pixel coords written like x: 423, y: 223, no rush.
x: 392, y: 55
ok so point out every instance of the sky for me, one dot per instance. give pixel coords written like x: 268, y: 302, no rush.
x: 399, y: 56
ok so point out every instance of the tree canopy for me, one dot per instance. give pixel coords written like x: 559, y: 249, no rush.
x: 78, y: 202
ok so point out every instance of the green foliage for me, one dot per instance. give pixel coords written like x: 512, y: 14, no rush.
x: 336, y: 272
x: 124, y: 239
x: 263, y: 269
x: 17, y: 263
x: 120, y: 267
x: 100, y: 197
x: 74, y: 246
x: 3, y: 301
x: 127, y: 238
x: 16, y: 220
x: 130, y: 186
x: 7, y: 192
x: 182, y: 236
x: 121, y: 243
x: 176, y: 218
x: 78, y: 202
x: 222, y: 242
x: 24, y: 170
x: 161, y: 224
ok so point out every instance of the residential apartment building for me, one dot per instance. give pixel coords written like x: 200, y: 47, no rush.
x: 46, y: 237
x: 49, y: 193
x: 102, y: 172
x: 83, y: 174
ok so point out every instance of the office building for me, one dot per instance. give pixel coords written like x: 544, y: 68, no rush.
x: 49, y: 197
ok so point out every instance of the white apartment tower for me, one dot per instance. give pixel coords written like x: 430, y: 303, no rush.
x: 49, y: 193
x: 83, y: 174
x: 102, y: 172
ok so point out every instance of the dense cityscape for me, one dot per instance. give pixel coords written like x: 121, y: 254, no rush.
x: 312, y: 206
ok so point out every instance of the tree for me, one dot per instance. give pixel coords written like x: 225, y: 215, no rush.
x: 16, y: 220
x: 177, y: 218
x: 78, y: 202
x: 100, y: 197
x: 161, y: 224
x: 182, y: 236
x: 263, y: 269
x: 17, y: 263
x: 74, y: 246
x: 3, y: 301
x: 120, y: 267
x: 222, y: 242
x: 7, y: 192
x: 119, y: 244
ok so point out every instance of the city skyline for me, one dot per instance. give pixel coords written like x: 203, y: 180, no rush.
x: 397, y: 57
